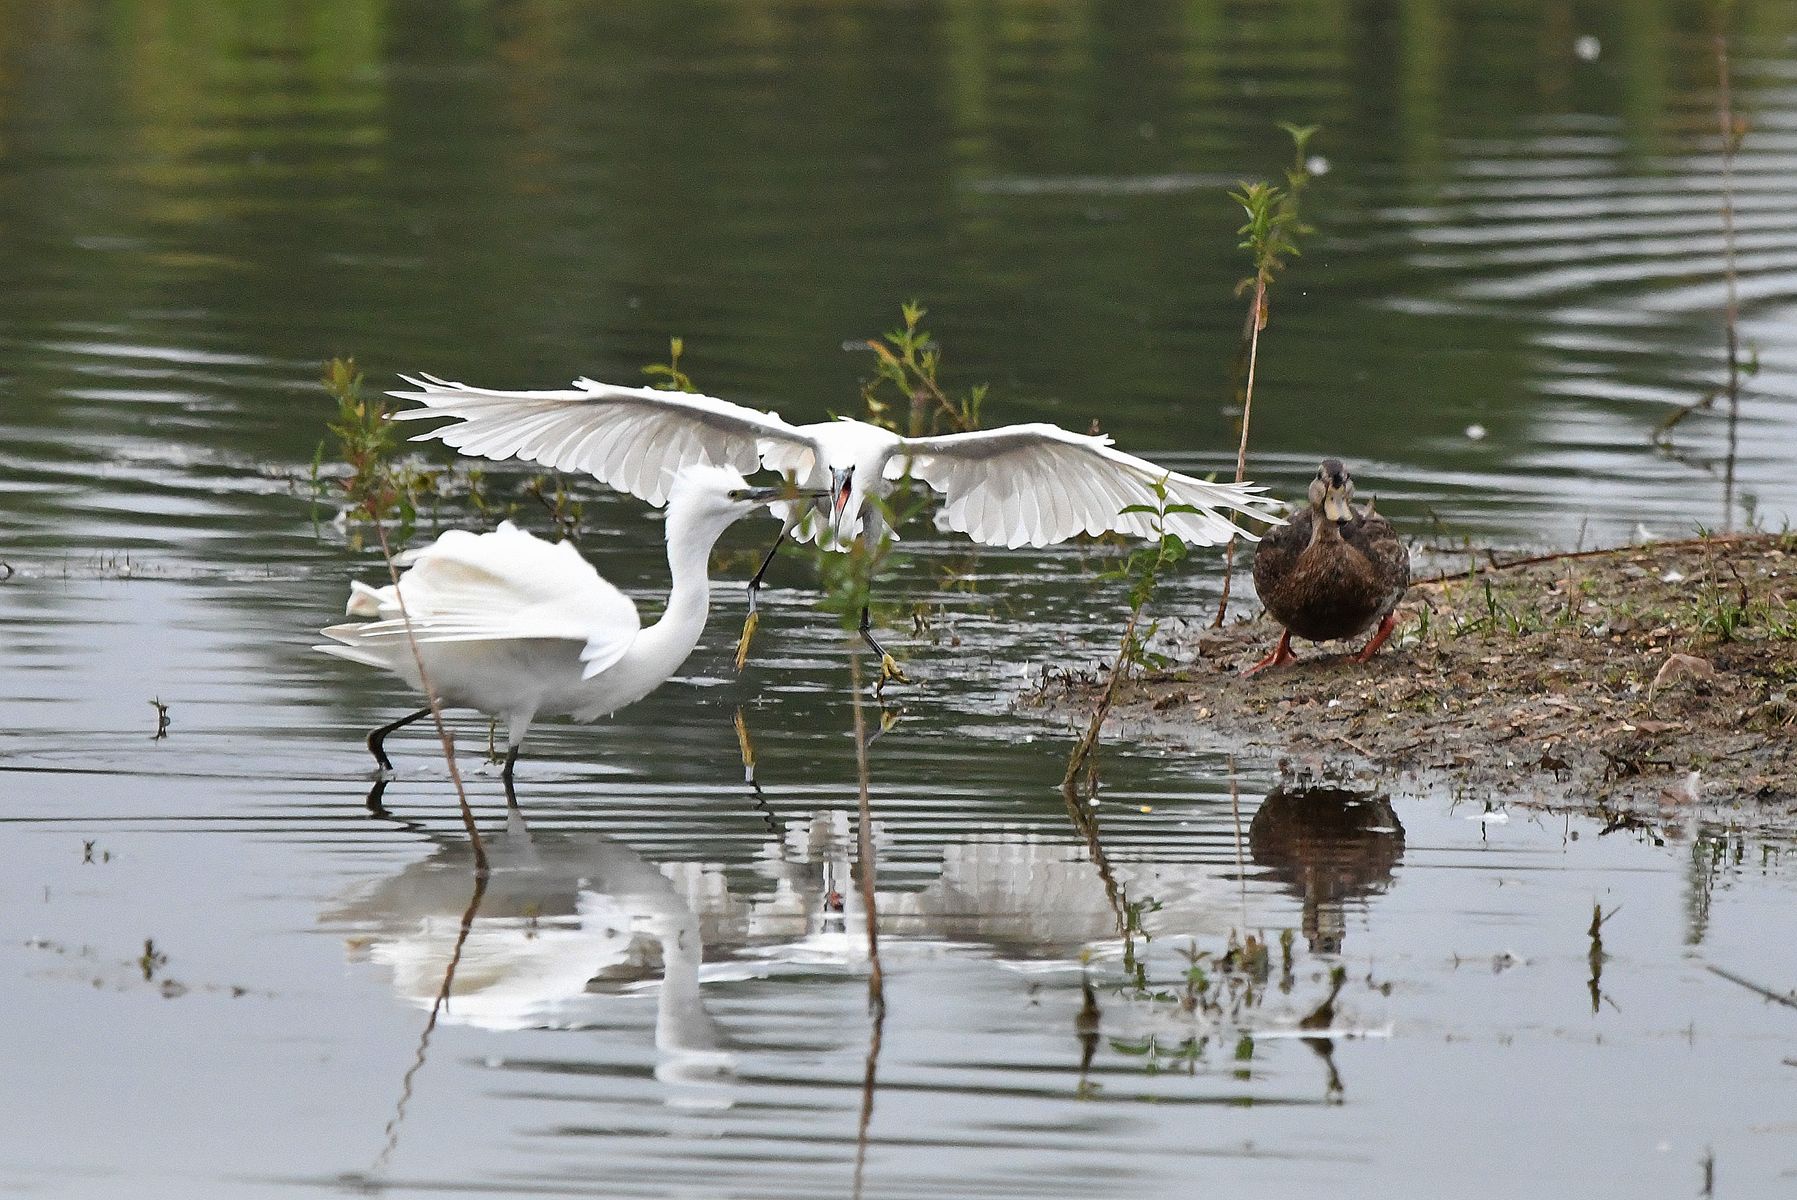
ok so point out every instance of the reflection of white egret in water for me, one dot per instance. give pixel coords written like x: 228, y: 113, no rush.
x: 1021, y: 894
x: 1329, y: 847
x: 563, y: 915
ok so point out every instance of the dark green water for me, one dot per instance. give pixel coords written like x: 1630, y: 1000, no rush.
x: 1517, y: 230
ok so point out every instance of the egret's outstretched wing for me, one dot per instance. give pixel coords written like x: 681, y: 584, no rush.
x: 1034, y: 485
x: 633, y: 439
x: 508, y: 584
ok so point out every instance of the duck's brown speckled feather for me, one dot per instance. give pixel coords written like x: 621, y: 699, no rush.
x: 1333, y: 584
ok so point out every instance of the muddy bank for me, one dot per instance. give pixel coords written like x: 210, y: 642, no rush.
x: 1655, y: 676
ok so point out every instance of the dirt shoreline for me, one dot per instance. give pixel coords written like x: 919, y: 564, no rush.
x: 1645, y: 678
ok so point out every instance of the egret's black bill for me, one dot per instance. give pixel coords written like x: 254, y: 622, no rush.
x: 779, y: 491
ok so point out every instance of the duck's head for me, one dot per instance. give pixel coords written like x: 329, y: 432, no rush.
x: 1332, y: 490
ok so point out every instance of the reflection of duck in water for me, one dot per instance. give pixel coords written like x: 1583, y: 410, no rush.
x: 563, y: 915
x: 1329, y: 846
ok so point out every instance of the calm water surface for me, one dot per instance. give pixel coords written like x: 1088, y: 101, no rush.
x: 219, y: 963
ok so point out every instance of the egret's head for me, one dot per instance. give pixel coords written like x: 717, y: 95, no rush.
x: 1331, y: 491
x: 708, y: 491
x: 842, y: 482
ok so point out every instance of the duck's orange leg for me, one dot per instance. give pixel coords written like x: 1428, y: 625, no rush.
x: 1378, y: 638
x: 1278, y: 657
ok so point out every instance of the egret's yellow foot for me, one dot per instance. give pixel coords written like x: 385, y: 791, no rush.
x: 742, y: 644
x: 746, y: 746
x: 890, y: 671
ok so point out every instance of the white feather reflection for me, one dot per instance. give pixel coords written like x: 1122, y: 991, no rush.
x: 564, y: 916
x: 1018, y: 895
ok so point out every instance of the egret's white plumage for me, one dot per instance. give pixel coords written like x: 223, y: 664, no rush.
x: 507, y: 585
x: 1018, y: 485
x: 520, y: 628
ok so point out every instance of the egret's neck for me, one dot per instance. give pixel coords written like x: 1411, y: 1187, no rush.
x: 666, y: 644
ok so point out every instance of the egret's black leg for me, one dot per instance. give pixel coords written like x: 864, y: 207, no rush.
x: 761, y: 571
x: 380, y: 735
x: 889, y: 667
x: 511, y: 760
x: 867, y: 634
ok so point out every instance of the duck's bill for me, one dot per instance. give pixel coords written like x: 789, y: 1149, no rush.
x: 1336, y: 507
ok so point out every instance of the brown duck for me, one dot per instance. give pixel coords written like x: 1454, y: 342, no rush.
x: 1331, y: 572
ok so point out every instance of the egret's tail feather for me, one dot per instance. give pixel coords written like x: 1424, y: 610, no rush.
x: 365, y: 601
x: 348, y: 646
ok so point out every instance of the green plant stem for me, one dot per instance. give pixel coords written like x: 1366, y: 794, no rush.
x: 1257, y: 320
x: 1086, y: 825
x: 1088, y: 743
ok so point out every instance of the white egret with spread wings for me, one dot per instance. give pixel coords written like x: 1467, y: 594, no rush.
x: 1016, y: 485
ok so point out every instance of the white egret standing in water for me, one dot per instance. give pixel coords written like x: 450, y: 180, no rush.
x: 1017, y: 485
x: 521, y: 628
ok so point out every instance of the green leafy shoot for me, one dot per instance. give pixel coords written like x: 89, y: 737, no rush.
x: 1270, y: 236
x: 375, y: 487
x: 907, y: 363
x: 668, y: 376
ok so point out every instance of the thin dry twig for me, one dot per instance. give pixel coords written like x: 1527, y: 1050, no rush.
x: 424, y: 1038
x: 1257, y: 321
x: 1493, y: 563
x: 1788, y: 999
x: 1731, y: 134
x: 867, y: 1098
x: 876, y: 984
x: 436, y: 705
x: 864, y: 847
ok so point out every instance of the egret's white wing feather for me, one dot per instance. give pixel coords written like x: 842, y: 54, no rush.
x: 631, y: 438
x: 1037, y: 484
x: 794, y: 458
x: 508, y: 584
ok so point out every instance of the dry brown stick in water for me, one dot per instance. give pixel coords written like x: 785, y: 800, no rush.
x: 1561, y: 556
x: 430, y: 697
